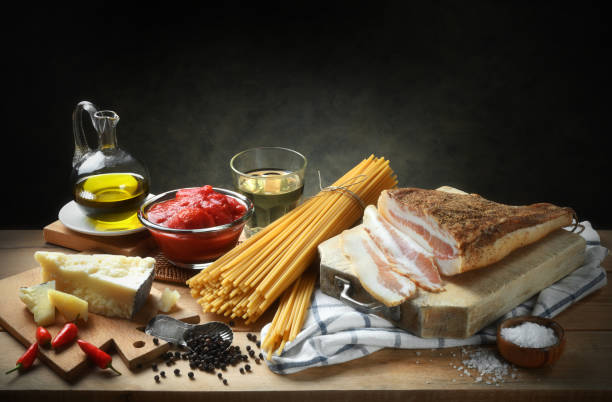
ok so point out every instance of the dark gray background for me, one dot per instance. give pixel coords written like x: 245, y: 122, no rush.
x: 509, y: 100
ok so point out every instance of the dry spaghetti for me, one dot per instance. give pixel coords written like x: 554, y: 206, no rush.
x: 249, y: 278
x: 290, y: 315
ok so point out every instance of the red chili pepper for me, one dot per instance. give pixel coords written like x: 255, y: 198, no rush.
x: 99, y: 357
x: 43, y: 336
x: 65, y: 336
x: 26, y: 360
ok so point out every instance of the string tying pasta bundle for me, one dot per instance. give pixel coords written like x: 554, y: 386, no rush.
x: 248, y: 279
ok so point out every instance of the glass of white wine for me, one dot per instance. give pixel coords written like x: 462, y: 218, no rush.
x: 272, y: 178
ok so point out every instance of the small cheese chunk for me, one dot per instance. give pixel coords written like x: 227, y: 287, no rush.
x: 69, y: 305
x: 167, y: 300
x: 113, y: 285
x: 37, y: 301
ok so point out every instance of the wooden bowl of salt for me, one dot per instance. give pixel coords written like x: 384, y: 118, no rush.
x: 530, y: 341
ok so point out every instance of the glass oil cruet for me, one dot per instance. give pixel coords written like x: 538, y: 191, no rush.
x: 108, y: 183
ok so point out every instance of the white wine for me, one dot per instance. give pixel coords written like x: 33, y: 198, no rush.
x: 274, y: 192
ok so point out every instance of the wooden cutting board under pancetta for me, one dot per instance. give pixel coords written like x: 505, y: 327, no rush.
x: 472, y: 299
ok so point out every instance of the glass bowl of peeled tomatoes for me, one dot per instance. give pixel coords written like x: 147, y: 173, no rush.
x: 194, y: 226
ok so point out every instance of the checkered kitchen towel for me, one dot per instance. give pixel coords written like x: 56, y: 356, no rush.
x: 335, y: 333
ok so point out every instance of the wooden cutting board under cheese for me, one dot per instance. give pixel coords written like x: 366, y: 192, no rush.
x: 472, y: 299
x: 128, y: 337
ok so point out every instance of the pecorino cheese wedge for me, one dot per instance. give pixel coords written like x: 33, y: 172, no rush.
x: 113, y: 285
x: 466, y: 231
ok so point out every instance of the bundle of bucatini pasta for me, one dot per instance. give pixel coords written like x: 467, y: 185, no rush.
x: 290, y: 314
x: 249, y: 278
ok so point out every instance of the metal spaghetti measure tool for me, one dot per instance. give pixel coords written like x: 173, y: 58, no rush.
x: 172, y: 330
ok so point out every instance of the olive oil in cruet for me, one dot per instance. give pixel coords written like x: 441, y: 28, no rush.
x: 109, y: 184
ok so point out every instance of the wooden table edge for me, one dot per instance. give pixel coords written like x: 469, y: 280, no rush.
x: 420, y: 395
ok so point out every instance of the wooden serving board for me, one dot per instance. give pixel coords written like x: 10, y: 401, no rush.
x: 136, y: 244
x: 134, y: 346
x: 472, y: 299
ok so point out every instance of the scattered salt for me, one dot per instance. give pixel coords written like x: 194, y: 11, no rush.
x: 486, y: 363
x: 530, y: 335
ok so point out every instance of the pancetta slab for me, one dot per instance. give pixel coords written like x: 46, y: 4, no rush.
x: 466, y: 231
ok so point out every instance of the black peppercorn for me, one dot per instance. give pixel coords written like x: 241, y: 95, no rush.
x: 190, y: 374
x: 224, y: 381
x: 163, y: 374
x: 241, y: 370
x: 247, y: 367
x: 156, y: 378
x: 220, y: 375
x: 177, y: 371
x: 156, y: 341
x: 154, y: 367
x: 212, y: 352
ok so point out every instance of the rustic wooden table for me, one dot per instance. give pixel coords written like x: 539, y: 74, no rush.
x: 582, y: 373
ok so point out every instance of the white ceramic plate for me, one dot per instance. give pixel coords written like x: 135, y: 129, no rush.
x: 73, y: 218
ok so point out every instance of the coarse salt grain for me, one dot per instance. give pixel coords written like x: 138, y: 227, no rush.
x: 486, y: 363
x: 530, y: 335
